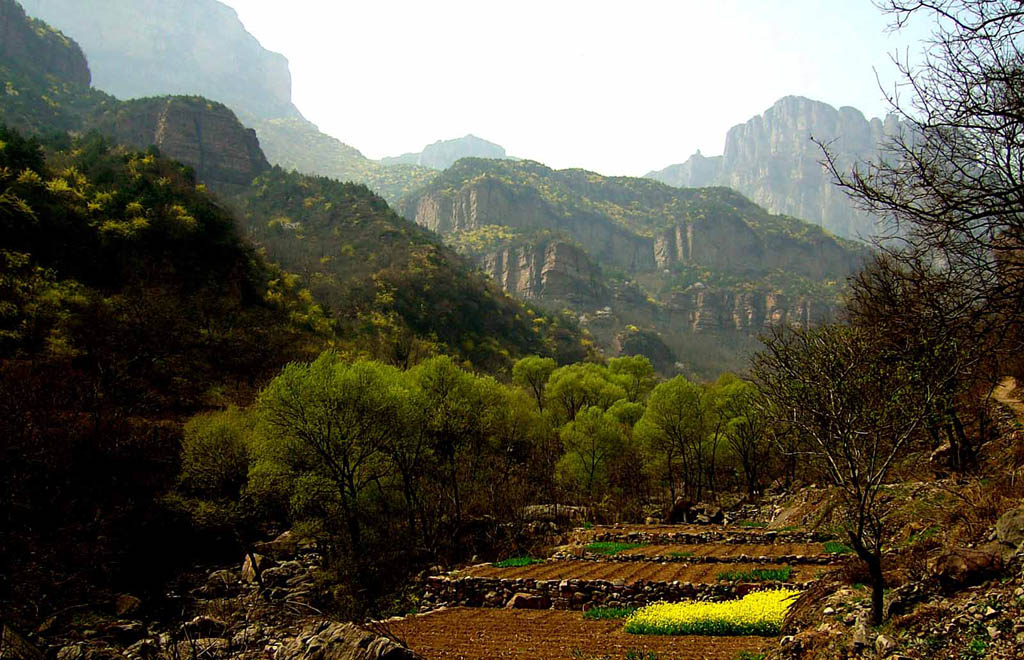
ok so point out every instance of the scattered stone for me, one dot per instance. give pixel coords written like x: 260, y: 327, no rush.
x: 341, y: 641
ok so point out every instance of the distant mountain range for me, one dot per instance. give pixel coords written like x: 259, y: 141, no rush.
x: 444, y: 153
x: 773, y: 160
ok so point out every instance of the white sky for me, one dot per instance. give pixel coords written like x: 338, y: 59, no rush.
x: 620, y: 87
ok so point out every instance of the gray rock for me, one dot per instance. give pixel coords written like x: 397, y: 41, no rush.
x: 1010, y: 528
x: 341, y: 641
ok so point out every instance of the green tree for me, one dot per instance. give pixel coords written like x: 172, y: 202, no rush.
x: 533, y: 373
x: 591, y: 442
x: 635, y: 374
x: 575, y: 387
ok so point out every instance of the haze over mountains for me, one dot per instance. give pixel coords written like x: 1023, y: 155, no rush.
x: 773, y: 160
x: 688, y: 277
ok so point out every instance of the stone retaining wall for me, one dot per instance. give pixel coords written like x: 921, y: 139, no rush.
x: 662, y: 537
x: 819, y: 560
x: 577, y: 594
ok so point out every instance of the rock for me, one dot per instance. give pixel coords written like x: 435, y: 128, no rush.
x: 207, y: 136
x: 680, y: 512
x: 126, y: 605
x: 205, y: 626
x: 204, y: 647
x: 884, y: 646
x: 341, y: 641
x: 859, y: 641
x: 72, y: 652
x: 1010, y: 528
x: 524, y: 601
x: 965, y: 566
x: 144, y: 649
x: 284, y: 546
x: 262, y: 564
x: 650, y: 520
x: 127, y: 632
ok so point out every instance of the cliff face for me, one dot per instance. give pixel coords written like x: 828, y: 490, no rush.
x: 710, y: 309
x: 772, y: 159
x: 442, y: 154
x: 140, y: 48
x: 34, y: 46
x: 551, y: 271
x: 490, y: 201
x: 197, y: 132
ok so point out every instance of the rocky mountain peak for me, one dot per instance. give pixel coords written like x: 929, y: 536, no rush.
x: 444, y: 153
x: 773, y: 159
x: 185, y: 47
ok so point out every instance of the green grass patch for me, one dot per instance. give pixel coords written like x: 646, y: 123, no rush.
x: 517, y: 562
x: 680, y: 555
x: 758, y: 575
x: 749, y: 655
x: 611, y: 547
x: 837, y: 548
x: 752, y: 524
x: 603, y: 613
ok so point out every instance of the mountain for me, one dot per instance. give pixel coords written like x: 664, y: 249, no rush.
x: 772, y: 159
x: 187, y: 47
x: 144, y: 48
x: 628, y: 254
x: 442, y: 154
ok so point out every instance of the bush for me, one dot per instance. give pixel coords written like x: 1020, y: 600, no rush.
x: 758, y: 613
x: 601, y: 613
x: 758, y: 575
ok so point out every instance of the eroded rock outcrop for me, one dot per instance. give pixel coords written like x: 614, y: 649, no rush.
x: 554, y: 270
x: 197, y: 132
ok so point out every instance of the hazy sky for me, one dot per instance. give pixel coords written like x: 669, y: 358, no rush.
x: 617, y: 87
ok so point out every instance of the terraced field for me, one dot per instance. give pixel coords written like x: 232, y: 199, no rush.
x: 493, y: 634
x: 627, y: 572
x: 474, y: 619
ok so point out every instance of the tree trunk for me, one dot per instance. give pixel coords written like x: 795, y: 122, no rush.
x: 873, y: 559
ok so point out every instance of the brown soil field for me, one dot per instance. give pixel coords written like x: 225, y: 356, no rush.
x: 628, y: 571
x: 489, y: 634
x: 725, y: 550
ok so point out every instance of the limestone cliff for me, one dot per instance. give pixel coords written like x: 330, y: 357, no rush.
x: 442, y: 154
x: 140, y: 48
x: 711, y: 309
x: 549, y: 271
x: 33, y: 46
x: 773, y: 160
x: 197, y: 132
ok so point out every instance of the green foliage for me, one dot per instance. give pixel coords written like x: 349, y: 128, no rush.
x: 605, y: 613
x: 611, y: 547
x: 837, y: 548
x: 758, y: 575
x: 516, y: 562
x: 752, y: 524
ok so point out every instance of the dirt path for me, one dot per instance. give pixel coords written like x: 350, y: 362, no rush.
x: 1004, y: 394
x: 497, y: 634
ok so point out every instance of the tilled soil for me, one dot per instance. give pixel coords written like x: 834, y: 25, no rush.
x: 628, y: 571
x: 490, y: 634
x: 726, y: 550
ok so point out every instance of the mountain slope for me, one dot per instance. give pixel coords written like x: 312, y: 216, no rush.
x: 635, y: 253
x: 442, y: 154
x: 773, y: 160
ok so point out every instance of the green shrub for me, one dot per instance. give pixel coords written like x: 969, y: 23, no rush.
x: 758, y: 575
x: 837, y: 548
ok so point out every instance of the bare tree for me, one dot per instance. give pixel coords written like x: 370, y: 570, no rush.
x: 859, y: 407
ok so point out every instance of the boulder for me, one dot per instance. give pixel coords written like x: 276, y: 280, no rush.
x: 964, y: 566
x: 884, y: 646
x: 341, y: 641
x: 1010, y: 528
x: 285, y: 546
x: 680, y: 511
x: 523, y: 601
x: 249, y: 568
x: 205, y: 626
